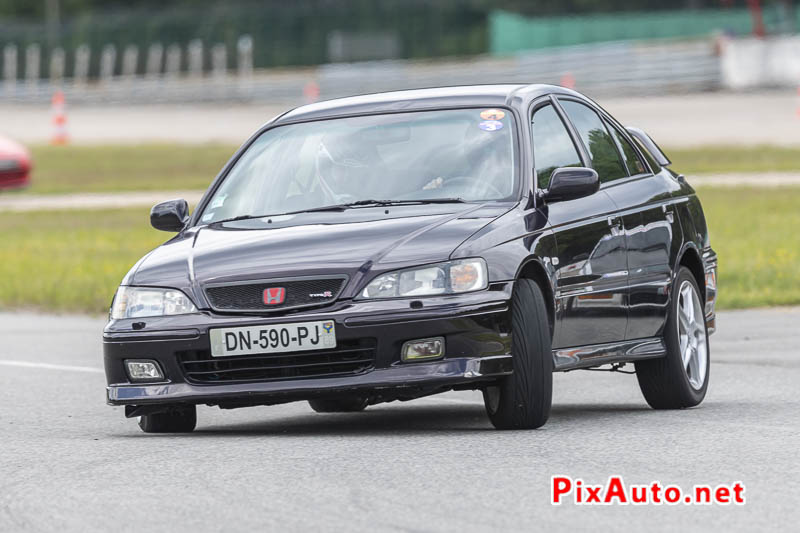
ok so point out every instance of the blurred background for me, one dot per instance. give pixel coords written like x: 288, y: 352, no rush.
x: 107, y: 107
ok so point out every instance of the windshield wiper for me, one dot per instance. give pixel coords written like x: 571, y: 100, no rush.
x: 234, y: 219
x: 407, y: 202
x: 350, y: 205
x: 368, y: 203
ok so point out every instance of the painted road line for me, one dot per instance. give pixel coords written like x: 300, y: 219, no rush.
x: 49, y: 366
x: 111, y: 200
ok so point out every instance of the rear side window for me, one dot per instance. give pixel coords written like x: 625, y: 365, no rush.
x: 552, y: 145
x: 632, y: 160
x: 605, y: 156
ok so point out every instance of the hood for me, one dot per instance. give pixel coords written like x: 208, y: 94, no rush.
x: 356, y: 242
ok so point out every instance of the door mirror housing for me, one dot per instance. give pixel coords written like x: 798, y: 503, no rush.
x: 171, y: 215
x: 570, y: 183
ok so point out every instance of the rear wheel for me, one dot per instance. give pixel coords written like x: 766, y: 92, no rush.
x: 680, y: 379
x: 522, y: 400
x: 178, y: 420
x: 349, y: 404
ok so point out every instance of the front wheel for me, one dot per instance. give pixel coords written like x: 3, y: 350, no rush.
x: 348, y: 404
x: 679, y: 379
x: 522, y: 400
x: 177, y: 420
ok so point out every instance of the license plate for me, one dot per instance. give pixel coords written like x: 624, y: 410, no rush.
x: 297, y: 337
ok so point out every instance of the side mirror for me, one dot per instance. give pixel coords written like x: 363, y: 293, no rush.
x: 570, y: 183
x: 171, y: 215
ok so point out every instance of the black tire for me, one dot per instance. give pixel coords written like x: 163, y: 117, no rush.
x: 348, y: 404
x: 178, y: 420
x: 664, y: 381
x: 522, y: 400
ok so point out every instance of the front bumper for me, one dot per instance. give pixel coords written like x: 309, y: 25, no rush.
x: 476, y: 328
x: 406, y: 381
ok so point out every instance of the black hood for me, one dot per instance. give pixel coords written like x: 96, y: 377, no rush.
x: 356, y: 242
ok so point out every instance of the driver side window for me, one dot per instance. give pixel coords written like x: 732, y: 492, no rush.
x: 552, y: 146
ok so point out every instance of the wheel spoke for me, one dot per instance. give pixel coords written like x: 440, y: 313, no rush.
x: 685, y: 324
x: 688, y: 303
x: 694, y: 367
x: 686, y: 353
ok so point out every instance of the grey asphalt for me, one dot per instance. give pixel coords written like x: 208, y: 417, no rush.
x: 68, y: 462
x: 674, y: 120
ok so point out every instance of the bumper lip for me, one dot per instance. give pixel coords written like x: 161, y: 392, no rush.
x: 435, y: 374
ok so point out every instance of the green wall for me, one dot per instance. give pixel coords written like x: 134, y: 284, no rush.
x: 510, y: 32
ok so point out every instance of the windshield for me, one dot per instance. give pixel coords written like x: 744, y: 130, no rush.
x: 464, y: 154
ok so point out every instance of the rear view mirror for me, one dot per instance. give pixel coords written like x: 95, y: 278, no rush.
x: 171, y: 215
x: 570, y: 183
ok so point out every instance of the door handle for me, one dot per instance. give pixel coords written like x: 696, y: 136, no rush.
x: 616, y: 225
x: 668, y: 213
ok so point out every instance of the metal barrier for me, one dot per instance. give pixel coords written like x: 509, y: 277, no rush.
x: 622, y: 68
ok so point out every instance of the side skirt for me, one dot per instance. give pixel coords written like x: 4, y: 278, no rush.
x: 613, y: 352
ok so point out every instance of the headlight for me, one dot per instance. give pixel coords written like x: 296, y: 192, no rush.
x: 136, y: 302
x: 462, y: 275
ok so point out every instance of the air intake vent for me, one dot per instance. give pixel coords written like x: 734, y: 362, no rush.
x: 350, y: 357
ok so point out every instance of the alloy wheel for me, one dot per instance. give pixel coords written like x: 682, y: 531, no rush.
x: 692, y: 335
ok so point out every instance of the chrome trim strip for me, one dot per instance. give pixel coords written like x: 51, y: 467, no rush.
x: 154, y: 335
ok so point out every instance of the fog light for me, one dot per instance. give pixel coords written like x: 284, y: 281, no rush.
x: 423, y: 349
x: 143, y: 370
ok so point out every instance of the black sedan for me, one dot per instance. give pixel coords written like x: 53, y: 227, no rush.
x: 392, y: 246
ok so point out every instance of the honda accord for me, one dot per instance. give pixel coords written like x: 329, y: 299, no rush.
x: 397, y: 245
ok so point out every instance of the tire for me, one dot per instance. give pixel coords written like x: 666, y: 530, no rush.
x: 348, y: 404
x: 177, y: 420
x: 668, y: 382
x: 522, y: 400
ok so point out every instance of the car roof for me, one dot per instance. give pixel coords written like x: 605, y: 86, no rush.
x: 420, y: 99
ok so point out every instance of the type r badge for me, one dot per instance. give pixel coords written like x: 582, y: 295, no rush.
x: 326, y: 294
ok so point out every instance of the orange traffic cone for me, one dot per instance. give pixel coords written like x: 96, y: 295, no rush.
x: 59, y: 119
x: 568, y: 81
x: 311, y: 92
x: 797, y: 111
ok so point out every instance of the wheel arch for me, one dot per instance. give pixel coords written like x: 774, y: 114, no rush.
x: 534, y: 270
x: 690, y: 258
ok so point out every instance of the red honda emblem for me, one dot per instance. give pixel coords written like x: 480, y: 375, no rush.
x: 274, y: 295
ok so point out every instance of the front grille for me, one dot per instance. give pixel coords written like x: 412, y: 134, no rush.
x: 299, y: 292
x: 350, y: 357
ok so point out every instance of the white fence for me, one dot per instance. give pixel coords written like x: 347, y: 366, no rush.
x: 620, y: 68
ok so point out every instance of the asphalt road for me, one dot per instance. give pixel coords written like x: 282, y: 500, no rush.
x: 685, y: 120
x: 68, y: 462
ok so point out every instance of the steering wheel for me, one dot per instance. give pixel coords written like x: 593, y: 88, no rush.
x: 470, y: 181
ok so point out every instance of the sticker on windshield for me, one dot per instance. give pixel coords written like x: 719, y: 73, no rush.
x: 492, y: 114
x: 218, y: 201
x: 491, y: 125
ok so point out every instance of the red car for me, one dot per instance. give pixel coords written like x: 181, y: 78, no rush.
x: 15, y: 165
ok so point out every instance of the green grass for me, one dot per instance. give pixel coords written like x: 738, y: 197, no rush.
x: 70, y: 260
x: 725, y: 159
x: 146, y: 167
x: 73, y: 260
x: 755, y: 234
x: 68, y: 169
